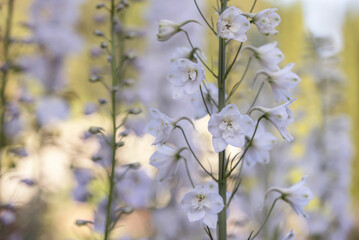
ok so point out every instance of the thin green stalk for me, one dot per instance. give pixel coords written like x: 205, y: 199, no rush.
x: 188, y: 172
x: 266, y: 219
x: 4, y: 79
x: 246, y: 149
x: 235, y: 87
x: 204, y: 18
x: 256, y: 97
x: 195, y: 50
x: 114, y: 127
x: 222, y: 181
x: 194, y: 155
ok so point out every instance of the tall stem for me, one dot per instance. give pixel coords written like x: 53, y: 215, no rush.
x: 4, y: 79
x: 113, y: 102
x: 222, y: 182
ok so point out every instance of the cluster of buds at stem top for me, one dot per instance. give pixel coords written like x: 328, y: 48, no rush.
x: 168, y: 28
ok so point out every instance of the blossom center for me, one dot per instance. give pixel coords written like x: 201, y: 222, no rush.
x: 192, y: 75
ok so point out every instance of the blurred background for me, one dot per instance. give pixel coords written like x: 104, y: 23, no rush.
x: 50, y: 104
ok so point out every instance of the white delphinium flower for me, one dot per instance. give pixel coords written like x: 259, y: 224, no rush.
x: 268, y: 55
x: 280, y: 116
x: 202, y: 204
x: 210, y: 94
x: 289, y: 236
x: 186, y: 76
x: 297, y: 196
x: 165, y: 159
x: 160, y: 126
x: 229, y: 126
x: 266, y: 21
x: 233, y: 25
x: 281, y: 81
x: 258, y: 150
x: 167, y: 29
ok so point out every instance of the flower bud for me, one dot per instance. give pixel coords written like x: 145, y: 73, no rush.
x: 120, y: 144
x: 98, y: 33
x: 80, y: 222
x: 103, y: 45
x: 95, y: 130
x: 134, y: 166
x: 100, y: 5
x: 125, y: 133
x: 127, y: 210
x: 167, y: 29
x: 102, y: 101
x: 94, y: 78
x: 135, y: 111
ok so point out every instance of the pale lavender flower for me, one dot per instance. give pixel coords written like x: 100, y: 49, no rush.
x: 186, y: 77
x: 266, y: 21
x: 281, y: 81
x: 161, y: 126
x: 268, y: 55
x: 203, y: 205
x: 258, y: 150
x: 229, y: 126
x: 233, y: 25
x: 165, y: 159
x: 297, y: 196
x: 280, y: 116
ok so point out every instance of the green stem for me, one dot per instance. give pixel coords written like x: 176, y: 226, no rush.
x: 4, y: 79
x: 188, y: 172
x: 195, y: 50
x: 222, y: 182
x: 113, y: 101
x: 266, y: 219
x: 256, y: 97
x: 194, y: 155
x: 248, y: 146
x: 204, y: 18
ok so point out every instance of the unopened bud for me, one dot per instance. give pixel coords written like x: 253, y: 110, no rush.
x: 102, y: 101
x: 80, y: 222
x: 127, y: 210
x: 94, y: 78
x: 125, y: 133
x: 135, y: 111
x: 95, y: 130
x: 98, y: 33
x: 120, y: 144
x: 103, y: 45
x: 135, y: 165
x: 100, y: 5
